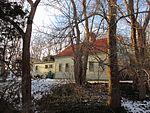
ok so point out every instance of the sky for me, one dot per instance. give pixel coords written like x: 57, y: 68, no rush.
x: 44, y: 16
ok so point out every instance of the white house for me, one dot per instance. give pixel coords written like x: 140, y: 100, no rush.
x: 64, y: 62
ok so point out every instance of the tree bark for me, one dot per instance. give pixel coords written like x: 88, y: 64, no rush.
x: 113, y: 73
x: 26, y: 76
x: 80, y: 57
x: 139, y: 43
x: 85, y: 43
x: 78, y: 69
x: 77, y: 52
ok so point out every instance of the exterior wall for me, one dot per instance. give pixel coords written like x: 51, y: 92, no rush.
x: 39, y: 68
x: 63, y: 74
x: 96, y: 74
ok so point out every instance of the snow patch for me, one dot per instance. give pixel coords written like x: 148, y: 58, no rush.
x: 136, y: 106
x: 42, y: 87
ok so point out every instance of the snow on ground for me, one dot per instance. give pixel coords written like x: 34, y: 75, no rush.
x: 136, y: 106
x: 43, y: 86
x: 39, y: 86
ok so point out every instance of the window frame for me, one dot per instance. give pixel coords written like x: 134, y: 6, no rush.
x: 60, y: 68
x: 36, y: 68
x: 91, y: 66
x: 46, y: 66
x: 67, y: 67
x: 50, y: 66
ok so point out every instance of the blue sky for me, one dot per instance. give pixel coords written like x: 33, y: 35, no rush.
x: 45, y: 16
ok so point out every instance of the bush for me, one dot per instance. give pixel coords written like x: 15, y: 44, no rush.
x: 7, y: 107
x: 10, y: 96
x: 72, y: 98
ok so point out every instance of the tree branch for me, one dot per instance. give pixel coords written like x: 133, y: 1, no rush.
x: 146, y: 21
x: 130, y: 15
x: 36, y: 3
x: 30, y: 2
x: 122, y: 14
x: 4, y: 18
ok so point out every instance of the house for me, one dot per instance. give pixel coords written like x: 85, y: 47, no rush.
x: 63, y: 65
x: 43, y: 68
x: 95, y: 68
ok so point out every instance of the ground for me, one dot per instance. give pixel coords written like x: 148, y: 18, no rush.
x: 46, y: 86
x: 132, y: 106
x: 136, y: 106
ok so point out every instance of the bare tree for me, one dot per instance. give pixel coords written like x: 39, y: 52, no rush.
x: 114, y: 92
x: 79, y: 25
x: 138, y: 37
x: 38, y: 46
x: 26, y: 77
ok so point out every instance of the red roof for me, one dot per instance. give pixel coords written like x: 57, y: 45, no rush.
x: 99, y: 46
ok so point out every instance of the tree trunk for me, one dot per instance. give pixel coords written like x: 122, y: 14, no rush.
x: 113, y: 73
x: 133, y: 30
x: 85, y: 62
x: 85, y: 43
x: 26, y: 76
x: 138, y: 42
x: 141, y: 86
x: 78, y: 63
x: 142, y: 49
x: 78, y: 69
x: 3, y: 71
x: 141, y: 34
x: 135, y: 49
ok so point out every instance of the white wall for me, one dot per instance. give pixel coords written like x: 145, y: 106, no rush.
x: 94, y: 75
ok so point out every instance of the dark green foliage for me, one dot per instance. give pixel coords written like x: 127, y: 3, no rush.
x: 8, y: 32
x: 6, y: 107
x: 128, y: 91
x: 73, y: 98
x: 10, y: 12
x: 14, y: 12
x: 11, y: 9
x: 63, y: 90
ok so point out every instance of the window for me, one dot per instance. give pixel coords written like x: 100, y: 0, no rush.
x: 91, y: 66
x: 60, y: 67
x: 67, y: 67
x: 46, y: 66
x: 50, y: 66
x: 36, y: 67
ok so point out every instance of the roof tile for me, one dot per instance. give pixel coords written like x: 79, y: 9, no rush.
x: 98, y: 46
